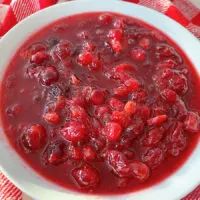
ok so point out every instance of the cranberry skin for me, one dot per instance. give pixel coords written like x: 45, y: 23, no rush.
x: 130, y: 108
x: 120, y: 117
x: 169, y: 95
x: 153, y: 137
x: 139, y: 170
x: 55, y: 153
x: 34, y: 138
x: 49, y: 76
x: 116, y: 104
x: 112, y: 131
x: 86, y: 176
x: 145, y: 43
x: 124, y: 67
x: 105, y: 18
x: 61, y: 51
x: 74, y: 132
x: 116, y: 34
x: 116, y: 46
x: 89, y: 153
x: 138, y: 54
x: 192, y: 122
x: 75, y: 152
x: 52, y: 118
x: 85, y: 58
x: 118, y: 163
x: 78, y: 112
x: 97, y: 97
x: 39, y: 57
x: 153, y: 157
x: 157, y: 121
x: 131, y: 84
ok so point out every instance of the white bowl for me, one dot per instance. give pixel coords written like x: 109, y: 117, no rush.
x: 174, y: 187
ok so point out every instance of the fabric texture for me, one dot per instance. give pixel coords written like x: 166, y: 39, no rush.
x: 13, y: 11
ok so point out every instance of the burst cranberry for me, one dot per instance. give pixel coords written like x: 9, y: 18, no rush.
x: 169, y: 95
x: 131, y: 84
x: 34, y: 138
x: 116, y: 104
x: 49, y: 76
x: 112, y: 131
x: 139, y: 170
x: 75, y: 152
x: 121, y: 91
x: 115, y: 34
x: 85, y: 58
x: 60, y: 103
x: 116, y: 46
x: 153, y: 137
x: 157, y: 121
x: 153, y: 157
x: 89, y: 153
x: 118, y: 163
x: 138, y: 54
x: 86, y: 176
x: 55, y: 153
x: 120, y: 117
x: 144, y: 42
x: 78, y: 112
x: 74, y: 80
x: 97, y: 97
x: 192, y: 122
x: 105, y: 18
x: 52, y: 118
x: 39, y: 57
x: 124, y: 67
x: 74, y: 132
x: 130, y: 107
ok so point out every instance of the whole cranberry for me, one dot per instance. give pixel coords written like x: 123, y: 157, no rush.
x: 86, y: 176
x: 34, y: 137
x: 49, y: 76
x: 112, y: 131
x: 74, y: 132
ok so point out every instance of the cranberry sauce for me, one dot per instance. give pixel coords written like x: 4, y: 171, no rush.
x: 101, y: 95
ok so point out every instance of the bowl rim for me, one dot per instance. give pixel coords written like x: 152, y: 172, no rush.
x: 173, y: 187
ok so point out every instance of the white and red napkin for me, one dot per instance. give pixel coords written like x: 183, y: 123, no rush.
x: 13, y: 11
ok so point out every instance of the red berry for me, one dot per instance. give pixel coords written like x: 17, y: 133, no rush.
x: 121, y: 91
x: 118, y: 163
x: 169, y: 95
x: 49, y: 76
x: 120, y: 117
x: 138, y: 54
x: 75, y: 152
x: 39, y: 57
x: 116, y: 46
x: 116, y: 104
x: 139, y: 170
x: 52, y: 118
x: 86, y: 176
x: 153, y: 157
x: 60, y: 103
x: 116, y: 34
x: 192, y: 122
x: 89, y: 153
x: 75, y: 80
x: 130, y: 107
x: 157, y: 121
x: 97, y: 97
x: 85, y: 58
x: 74, y: 132
x: 131, y: 84
x: 144, y: 42
x: 34, y: 137
x: 55, y: 153
x: 105, y: 18
x: 153, y: 137
x: 112, y: 131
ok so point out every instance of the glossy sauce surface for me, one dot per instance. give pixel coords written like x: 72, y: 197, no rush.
x: 101, y: 95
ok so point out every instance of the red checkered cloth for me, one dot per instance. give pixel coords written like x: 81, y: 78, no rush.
x: 13, y: 11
